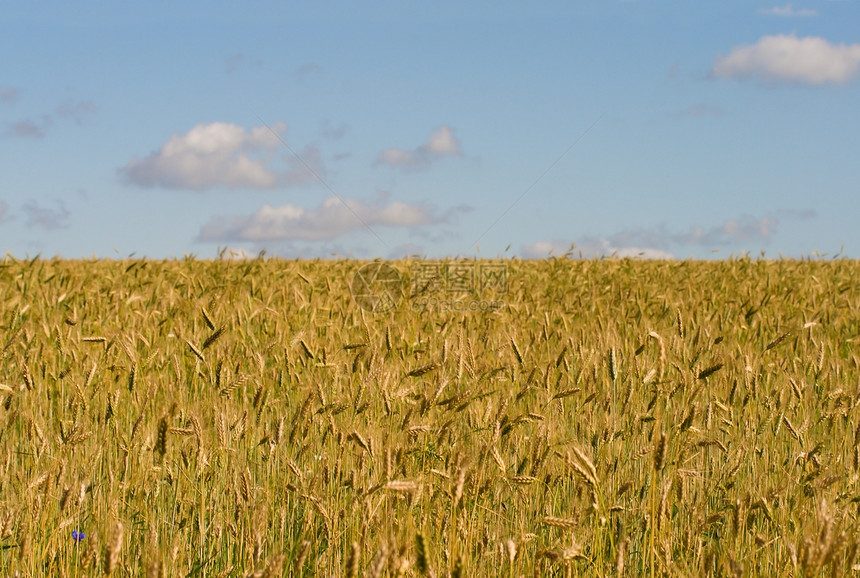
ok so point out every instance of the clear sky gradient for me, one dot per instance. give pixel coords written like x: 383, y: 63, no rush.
x: 387, y: 128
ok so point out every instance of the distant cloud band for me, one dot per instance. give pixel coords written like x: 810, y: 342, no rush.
x: 788, y: 10
x: 657, y: 242
x: 328, y: 221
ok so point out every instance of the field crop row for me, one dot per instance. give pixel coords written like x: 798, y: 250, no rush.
x: 274, y: 418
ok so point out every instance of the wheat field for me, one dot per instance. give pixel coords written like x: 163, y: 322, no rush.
x: 249, y: 418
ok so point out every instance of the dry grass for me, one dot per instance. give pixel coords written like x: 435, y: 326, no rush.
x: 227, y: 418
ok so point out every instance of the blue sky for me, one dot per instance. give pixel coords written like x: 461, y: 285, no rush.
x: 383, y: 128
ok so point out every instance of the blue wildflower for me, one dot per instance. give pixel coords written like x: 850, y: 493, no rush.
x: 77, y: 536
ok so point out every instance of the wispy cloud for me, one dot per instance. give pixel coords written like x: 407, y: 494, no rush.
x: 787, y: 58
x: 661, y: 243
x: 335, y: 133
x: 76, y: 110
x: 29, y: 128
x: 746, y: 229
x: 441, y: 143
x: 238, y: 61
x: 329, y: 220
x: 226, y: 155
x: 307, y: 69
x: 9, y: 95
x: 788, y: 10
x: 46, y: 217
x: 70, y: 109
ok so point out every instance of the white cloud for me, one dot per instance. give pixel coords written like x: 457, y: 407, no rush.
x: 4, y: 212
x: 441, y: 143
x: 330, y: 220
x: 787, y: 58
x: 787, y: 10
x: 542, y: 249
x: 396, y: 157
x: 601, y: 247
x: 220, y: 154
